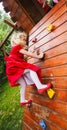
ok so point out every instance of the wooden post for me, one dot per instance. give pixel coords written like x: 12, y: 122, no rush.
x: 10, y: 24
x: 10, y: 32
x: 3, y: 42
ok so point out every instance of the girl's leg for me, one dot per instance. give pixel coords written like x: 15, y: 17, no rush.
x: 41, y: 87
x: 23, y: 84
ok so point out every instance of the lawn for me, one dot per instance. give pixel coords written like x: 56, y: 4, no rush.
x: 11, y: 114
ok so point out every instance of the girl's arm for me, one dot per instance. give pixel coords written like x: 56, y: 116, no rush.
x: 30, y: 54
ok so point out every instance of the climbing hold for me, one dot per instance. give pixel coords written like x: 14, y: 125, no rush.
x: 43, y: 58
x: 50, y: 93
x: 43, y: 124
x: 34, y: 40
x: 50, y: 27
x: 29, y: 105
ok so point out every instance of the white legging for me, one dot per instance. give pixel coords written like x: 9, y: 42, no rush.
x: 23, y: 84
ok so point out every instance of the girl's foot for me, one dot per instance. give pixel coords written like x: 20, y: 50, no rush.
x: 25, y: 102
x: 40, y: 91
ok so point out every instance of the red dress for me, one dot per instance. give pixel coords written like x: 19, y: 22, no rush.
x: 16, y: 65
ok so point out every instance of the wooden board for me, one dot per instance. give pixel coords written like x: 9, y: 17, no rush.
x: 54, y: 70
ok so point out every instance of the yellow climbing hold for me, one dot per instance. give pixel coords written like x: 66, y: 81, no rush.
x: 50, y: 27
x: 50, y: 93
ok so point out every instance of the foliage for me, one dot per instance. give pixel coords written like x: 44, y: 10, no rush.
x: 10, y: 110
x: 2, y: 62
x: 2, y: 69
x: 4, y: 29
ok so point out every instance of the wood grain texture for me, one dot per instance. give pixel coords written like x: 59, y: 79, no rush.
x: 54, y: 69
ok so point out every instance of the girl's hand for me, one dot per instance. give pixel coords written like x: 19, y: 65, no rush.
x: 33, y: 55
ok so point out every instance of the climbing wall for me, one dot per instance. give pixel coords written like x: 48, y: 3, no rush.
x: 54, y: 70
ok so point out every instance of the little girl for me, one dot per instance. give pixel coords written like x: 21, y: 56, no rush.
x: 19, y: 72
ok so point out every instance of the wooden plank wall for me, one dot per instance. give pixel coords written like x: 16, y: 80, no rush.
x: 54, y: 70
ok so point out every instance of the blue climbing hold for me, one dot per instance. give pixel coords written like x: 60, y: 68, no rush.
x: 43, y: 124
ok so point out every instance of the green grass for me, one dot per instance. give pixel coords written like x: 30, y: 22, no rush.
x: 11, y: 113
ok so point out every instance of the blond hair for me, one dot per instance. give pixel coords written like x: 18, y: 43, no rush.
x: 17, y: 38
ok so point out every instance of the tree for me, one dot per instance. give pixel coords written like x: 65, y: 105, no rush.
x: 4, y: 29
